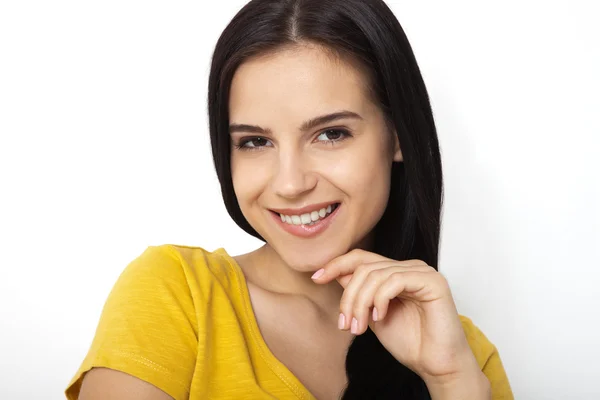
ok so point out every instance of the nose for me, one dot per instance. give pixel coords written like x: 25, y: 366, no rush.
x: 293, y: 175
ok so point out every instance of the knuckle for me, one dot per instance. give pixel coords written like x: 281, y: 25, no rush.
x: 397, y: 276
x: 376, y: 274
x: 378, y: 297
x: 355, y: 251
x: 362, y: 299
x: 357, y: 310
x: 422, y: 264
x: 362, y: 269
x: 442, y: 280
x: 360, y: 309
x: 346, y: 304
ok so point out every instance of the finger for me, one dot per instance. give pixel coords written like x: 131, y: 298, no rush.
x: 364, y: 299
x: 353, y: 307
x: 422, y: 286
x: 352, y: 288
x: 347, y: 263
x: 344, y: 280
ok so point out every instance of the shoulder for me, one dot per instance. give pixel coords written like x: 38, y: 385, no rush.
x: 481, y: 347
x: 178, y: 263
x: 168, y: 280
x: 158, y: 308
x: 193, y: 275
x: 488, y: 358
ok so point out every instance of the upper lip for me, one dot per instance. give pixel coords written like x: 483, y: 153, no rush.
x: 303, y: 210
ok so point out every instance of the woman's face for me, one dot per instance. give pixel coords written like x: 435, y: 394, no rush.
x: 309, y: 144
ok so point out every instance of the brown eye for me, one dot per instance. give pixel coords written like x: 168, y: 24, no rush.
x: 257, y: 142
x: 333, y: 135
x: 253, y: 143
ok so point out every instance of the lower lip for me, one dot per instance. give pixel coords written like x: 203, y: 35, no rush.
x: 306, y: 231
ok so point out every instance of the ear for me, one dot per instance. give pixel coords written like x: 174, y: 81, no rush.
x: 398, y: 157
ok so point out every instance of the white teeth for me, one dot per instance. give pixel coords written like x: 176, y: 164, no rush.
x: 307, y: 218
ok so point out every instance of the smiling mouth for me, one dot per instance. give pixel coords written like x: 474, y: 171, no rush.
x: 308, y: 219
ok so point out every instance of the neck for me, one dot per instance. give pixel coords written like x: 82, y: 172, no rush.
x: 266, y: 269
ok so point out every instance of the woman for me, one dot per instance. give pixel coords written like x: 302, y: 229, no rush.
x: 325, y: 147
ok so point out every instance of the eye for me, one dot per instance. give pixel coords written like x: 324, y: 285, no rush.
x: 253, y: 143
x: 333, y: 135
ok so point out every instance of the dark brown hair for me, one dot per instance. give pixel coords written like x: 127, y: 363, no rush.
x: 369, y: 33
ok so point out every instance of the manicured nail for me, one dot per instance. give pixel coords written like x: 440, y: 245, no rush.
x: 375, y: 314
x: 342, y: 321
x: 354, y: 327
x: 318, y: 274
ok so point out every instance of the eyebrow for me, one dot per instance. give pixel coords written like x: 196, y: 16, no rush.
x: 306, y: 126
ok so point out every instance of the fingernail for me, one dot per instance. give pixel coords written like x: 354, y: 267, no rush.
x: 317, y: 274
x: 354, y: 327
x: 342, y: 321
x: 375, y: 314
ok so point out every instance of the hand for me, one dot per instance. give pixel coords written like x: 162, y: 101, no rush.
x: 408, y: 305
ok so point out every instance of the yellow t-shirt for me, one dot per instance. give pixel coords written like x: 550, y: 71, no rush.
x: 180, y: 318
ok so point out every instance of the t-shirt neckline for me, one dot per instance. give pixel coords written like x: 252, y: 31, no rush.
x: 273, y: 362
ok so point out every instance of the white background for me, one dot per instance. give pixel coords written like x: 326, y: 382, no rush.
x: 104, y: 150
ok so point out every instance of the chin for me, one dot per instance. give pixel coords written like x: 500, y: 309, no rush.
x: 308, y: 261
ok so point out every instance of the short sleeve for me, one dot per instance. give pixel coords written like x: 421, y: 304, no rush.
x: 489, y: 360
x: 148, y: 326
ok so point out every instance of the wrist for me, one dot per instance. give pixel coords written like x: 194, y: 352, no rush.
x: 468, y: 386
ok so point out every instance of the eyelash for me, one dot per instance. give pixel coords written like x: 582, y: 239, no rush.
x: 345, y: 134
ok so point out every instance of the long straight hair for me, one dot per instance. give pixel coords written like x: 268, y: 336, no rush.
x: 367, y: 31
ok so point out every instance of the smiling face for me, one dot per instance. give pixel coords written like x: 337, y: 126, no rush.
x: 312, y: 155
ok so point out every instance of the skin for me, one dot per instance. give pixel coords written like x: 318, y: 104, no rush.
x: 310, y: 296
x: 295, y: 168
x: 276, y: 164
x: 289, y: 167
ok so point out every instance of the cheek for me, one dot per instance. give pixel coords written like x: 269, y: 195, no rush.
x: 364, y: 175
x: 249, y: 177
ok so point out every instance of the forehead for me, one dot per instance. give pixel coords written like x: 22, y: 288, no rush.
x: 296, y: 84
